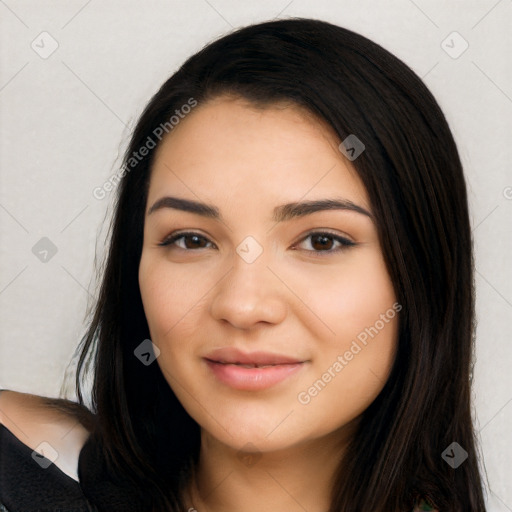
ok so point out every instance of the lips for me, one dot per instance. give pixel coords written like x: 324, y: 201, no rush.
x: 253, y: 371
x: 248, y: 365
x: 230, y: 355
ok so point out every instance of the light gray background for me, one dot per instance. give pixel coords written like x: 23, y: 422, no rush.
x: 66, y: 118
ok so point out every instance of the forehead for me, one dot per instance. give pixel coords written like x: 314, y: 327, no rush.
x: 233, y: 153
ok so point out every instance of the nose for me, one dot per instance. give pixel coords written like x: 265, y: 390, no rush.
x: 250, y: 294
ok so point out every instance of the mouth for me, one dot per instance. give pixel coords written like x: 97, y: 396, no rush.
x: 231, y: 355
x: 249, y: 365
x: 251, y: 371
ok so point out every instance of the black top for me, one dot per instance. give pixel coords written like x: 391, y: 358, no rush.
x: 25, y: 486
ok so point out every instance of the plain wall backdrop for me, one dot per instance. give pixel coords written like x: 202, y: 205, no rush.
x: 75, y: 75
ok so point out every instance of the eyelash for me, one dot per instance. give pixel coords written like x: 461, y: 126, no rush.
x: 345, y: 243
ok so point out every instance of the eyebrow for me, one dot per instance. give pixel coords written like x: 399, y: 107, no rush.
x: 282, y: 213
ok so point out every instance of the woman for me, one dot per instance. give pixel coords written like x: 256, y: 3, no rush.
x: 286, y: 313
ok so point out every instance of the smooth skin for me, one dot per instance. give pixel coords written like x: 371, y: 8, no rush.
x: 300, y: 297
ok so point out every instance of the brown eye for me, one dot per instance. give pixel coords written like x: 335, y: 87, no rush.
x: 194, y: 241
x: 327, y: 243
x: 188, y: 241
x: 320, y: 242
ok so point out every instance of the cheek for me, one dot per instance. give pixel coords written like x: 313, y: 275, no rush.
x: 369, y: 324
x: 355, y: 355
x: 363, y: 300
x: 168, y: 297
x: 347, y: 299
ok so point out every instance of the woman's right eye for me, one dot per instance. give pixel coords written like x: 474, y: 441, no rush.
x: 187, y: 241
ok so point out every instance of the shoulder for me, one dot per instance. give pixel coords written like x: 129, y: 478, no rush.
x: 43, y: 423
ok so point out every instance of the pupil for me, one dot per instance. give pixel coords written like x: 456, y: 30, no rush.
x: 195, y: 239
x: 324, y: 241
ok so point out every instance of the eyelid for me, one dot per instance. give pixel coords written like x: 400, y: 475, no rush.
x: 326, y: 231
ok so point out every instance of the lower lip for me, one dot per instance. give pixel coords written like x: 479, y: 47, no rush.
x: 252, y: 379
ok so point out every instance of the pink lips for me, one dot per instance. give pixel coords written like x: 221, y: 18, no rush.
x: 251, y: 371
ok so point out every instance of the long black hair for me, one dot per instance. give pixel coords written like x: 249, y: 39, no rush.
x: 414, y: 178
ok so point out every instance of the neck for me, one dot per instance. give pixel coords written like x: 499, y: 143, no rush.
x: 295, y: 479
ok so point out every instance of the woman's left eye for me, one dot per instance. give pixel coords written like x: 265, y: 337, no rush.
x: 325, y: 242
x: 321, y: 242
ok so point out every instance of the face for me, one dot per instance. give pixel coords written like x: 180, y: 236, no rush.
x: 276, y: 325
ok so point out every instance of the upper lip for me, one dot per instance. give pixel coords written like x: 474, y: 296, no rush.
x: 234, y: 355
